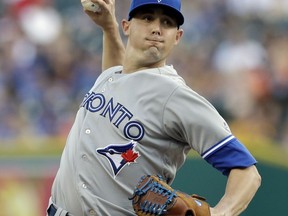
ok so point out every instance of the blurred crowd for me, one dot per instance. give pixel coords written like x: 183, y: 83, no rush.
x: 234, y: 53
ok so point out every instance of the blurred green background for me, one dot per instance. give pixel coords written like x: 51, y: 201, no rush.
x: 234, y: 53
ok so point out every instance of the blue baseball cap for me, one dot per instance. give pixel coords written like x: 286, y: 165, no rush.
x: 173, y: 5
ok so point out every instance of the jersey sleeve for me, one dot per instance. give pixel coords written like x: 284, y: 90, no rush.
x: 227, y: 154
x: 191, y: 119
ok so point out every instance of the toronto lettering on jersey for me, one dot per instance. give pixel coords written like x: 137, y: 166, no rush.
x: 116, y: 113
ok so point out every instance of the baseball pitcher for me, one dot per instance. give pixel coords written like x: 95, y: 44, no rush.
x: 136, y: 125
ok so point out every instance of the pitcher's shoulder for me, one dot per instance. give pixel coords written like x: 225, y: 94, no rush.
x: 171, y: 74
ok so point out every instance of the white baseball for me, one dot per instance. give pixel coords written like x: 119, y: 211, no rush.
x: 90, y: 6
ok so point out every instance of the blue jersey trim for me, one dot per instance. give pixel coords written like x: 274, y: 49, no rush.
x: 217, y: 146
x: 228, y: 154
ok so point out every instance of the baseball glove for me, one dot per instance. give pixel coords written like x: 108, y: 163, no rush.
x: 153, y: 196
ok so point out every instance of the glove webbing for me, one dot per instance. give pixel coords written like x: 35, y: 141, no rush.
x: 153, y: 208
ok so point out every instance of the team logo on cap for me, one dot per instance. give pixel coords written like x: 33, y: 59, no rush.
x: 119, y: 155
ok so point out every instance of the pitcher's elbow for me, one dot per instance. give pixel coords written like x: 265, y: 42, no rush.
x: 257, y: 178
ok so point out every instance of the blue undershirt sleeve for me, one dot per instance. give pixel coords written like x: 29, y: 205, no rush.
x: 229, y: 153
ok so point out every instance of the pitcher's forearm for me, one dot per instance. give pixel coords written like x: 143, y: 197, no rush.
x: 113, y: 48
x: 241, y: 187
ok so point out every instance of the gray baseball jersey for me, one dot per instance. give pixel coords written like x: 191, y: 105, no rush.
x: 129, y: 125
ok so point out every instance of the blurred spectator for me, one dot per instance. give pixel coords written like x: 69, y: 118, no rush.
x: 278, y: 53
x: 42, y: 71
x: 237, y: 56
x: 264, y: 9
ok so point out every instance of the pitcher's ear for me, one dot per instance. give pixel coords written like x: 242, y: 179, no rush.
x: 179, y: 35
x: 125, y: 26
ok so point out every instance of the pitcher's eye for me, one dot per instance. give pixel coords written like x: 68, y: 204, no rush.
x: 147, y: 18
x: 169, y: 22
